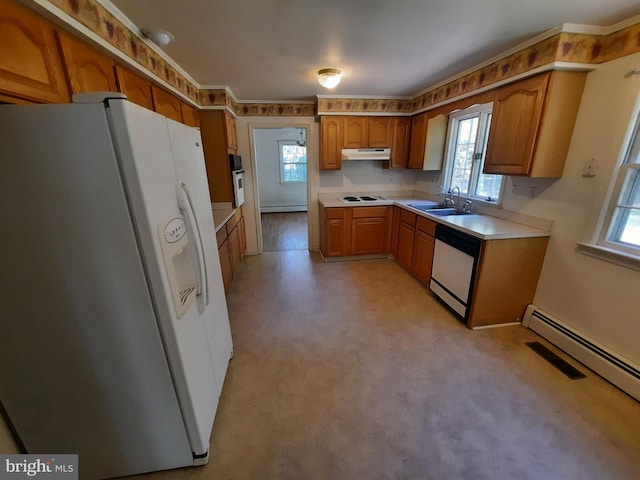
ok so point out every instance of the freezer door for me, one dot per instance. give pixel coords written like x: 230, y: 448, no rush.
x: 145, y: 156
x: 82, y: 363
x: 190, y: 167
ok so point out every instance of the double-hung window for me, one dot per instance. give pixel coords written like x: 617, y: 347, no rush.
x: 293, y: 161
x: 623, y: 213
x: 465, y: 153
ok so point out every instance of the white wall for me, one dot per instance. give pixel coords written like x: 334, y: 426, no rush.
x: 366, y: 175
x: 274, y: 195
x: 599, y: 299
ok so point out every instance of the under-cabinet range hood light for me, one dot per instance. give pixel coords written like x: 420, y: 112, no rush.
x: 366, y: 153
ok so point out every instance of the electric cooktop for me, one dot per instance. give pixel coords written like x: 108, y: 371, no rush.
x: 363, y: 198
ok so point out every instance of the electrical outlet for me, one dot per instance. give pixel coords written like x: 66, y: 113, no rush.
x: 390, y: 178
x: 590, y: 168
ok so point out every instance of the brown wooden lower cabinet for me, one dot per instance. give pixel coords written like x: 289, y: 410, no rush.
x: 423, y: 246
x: 406, y: 234
x: 415, y: 244
x: 231, y: 238
x: 335, y: 224
x: 506, y: 279
x: 225, y: 265
x: 234, y: 249
x: 346, y: 231
x: 370, y: 230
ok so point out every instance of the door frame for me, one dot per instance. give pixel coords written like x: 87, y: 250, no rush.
x: 312, y: 172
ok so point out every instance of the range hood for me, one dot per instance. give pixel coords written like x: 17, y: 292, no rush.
x: 366, y: 153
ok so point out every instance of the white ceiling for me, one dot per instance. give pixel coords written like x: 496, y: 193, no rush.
x: 272, y: 49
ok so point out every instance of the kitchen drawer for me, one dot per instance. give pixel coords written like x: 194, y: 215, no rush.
x: 221, y: 235
x: 335, y: 213
x: 369, y: 212
x: 426, y: 226
x: 408, y: 217
x: 233, y: 221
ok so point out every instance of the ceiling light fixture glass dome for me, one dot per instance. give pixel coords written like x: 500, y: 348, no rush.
x: 329, y: 77
x: 159, y: 37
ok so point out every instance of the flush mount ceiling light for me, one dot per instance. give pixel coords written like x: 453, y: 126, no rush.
x: 161, y: 38
x: 329, y: 77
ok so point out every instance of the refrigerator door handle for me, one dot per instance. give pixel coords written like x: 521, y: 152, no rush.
x: 186, y: 205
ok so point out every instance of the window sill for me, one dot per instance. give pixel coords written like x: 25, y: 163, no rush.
x: 609, y: 255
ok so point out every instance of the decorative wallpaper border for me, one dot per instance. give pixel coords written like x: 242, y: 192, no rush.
x: 362, y: 105
x: 276, y: 109
x: 95, y: 17
x: 562, y: 47
x: 216, y: 98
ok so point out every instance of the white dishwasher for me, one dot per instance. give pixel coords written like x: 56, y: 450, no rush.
x: 455, y: 259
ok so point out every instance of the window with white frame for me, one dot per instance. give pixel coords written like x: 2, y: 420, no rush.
x: 466, y: 148
x: 622, y: 218
x: 293, y: 161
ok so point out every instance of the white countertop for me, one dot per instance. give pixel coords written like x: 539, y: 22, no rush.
x: 483, y: 226
x: 220, y: 217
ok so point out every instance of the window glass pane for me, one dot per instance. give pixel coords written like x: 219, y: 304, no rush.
x: 631, y: 191
x: 626, y: 220
x: 489, y: 185
x: 630, y: 227
x: 294, y: 162
x: 463, y: 155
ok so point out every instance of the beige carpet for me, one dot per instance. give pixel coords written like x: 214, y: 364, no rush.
x: 353, y: 371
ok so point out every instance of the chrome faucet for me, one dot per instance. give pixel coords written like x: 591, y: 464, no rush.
x: 456, y: 203
x: 448, y: 199
x: 467, y: 206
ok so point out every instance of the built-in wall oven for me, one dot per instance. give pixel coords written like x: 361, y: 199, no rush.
x: 455, y: 259
x: 237, y: 177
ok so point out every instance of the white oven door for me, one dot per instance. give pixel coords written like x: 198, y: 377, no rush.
x: 238, y: 187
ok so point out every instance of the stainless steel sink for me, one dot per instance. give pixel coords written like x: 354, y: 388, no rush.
x: 439, y: 210
x: 425, y: 207
x: 445, y: 212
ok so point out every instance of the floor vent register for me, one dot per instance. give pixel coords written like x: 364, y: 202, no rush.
x: 561, y: 364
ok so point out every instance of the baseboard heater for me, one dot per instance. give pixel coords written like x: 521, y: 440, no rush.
x: 617, y: 370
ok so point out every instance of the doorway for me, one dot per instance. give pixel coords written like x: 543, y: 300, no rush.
x: 282, y: 180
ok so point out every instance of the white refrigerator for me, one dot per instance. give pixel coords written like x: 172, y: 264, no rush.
x: 114, y: 335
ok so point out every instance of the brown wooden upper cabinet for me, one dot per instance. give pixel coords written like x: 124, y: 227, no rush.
x: 330, y: 143
x: 428, y: 137
x: 367, y: 132
x: 418, y: 140
x: 400, y: 143
x: 532, y: 124
x: 231, y: 132
x: 30, y: 63
x: 136, y: 88
x: 166, y: 104
x: 190, y: 115
x: 218, y: 138
x: 87, y: 69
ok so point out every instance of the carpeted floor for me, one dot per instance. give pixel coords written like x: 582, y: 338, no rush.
x: 352, y: 370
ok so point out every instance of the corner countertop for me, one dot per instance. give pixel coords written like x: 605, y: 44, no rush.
x: 222, y: 216
x: 484, y: 226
